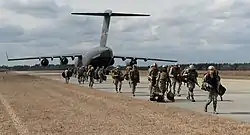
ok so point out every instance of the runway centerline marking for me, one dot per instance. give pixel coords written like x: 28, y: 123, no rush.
x: 19, y: 125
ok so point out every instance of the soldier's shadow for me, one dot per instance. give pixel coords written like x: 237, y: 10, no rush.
x: 185, y: 100
x: 110, y: 88
x: 228, y: 100
x: 142, y: 87
x: 241, y: 113
x: 139, y: 92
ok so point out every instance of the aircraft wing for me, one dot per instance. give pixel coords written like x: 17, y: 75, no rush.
x: 144, y: 58
x: 72, y: 56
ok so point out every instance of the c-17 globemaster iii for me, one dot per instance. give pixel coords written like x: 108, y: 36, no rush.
x: 98, y: 56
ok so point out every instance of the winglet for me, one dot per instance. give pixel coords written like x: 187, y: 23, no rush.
x: 7, y: 56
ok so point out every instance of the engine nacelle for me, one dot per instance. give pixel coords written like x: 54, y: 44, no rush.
x: 123, y: 59
x: 45, y: 62
x: 64, y: 61
x: 133, y: 62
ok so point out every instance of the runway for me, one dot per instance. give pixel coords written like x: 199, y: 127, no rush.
x: 235, y: 104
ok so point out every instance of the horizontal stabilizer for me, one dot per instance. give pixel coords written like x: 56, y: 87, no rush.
x: 128, y: 14
x: 110, y: 14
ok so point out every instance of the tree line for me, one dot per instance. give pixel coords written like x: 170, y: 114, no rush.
x: 199, y: 66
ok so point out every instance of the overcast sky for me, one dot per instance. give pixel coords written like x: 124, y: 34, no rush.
x: 189, y: 31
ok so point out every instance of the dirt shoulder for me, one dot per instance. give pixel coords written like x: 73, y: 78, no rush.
x: 6, y: 125
x: 50, y: 107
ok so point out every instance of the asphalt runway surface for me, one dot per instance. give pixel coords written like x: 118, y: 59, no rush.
x: 235, y: 104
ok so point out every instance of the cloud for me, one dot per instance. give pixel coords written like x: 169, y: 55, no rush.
x: 36, y: 8
x: 190, y: 31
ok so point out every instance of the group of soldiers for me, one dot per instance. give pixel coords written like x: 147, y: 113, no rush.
x: 166, y: 79
x: 84, y: 74
x: 131, y: 74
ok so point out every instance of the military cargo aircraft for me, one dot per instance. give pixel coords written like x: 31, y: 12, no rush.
x: 98, y: 56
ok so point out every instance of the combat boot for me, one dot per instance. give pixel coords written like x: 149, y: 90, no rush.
x: 215, y: 112
x: 205, y: 109
x: 192, y: 99
x: 133, y: 93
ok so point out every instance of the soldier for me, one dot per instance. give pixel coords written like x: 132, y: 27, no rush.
x: 191, y: 74
x: 152, y: 76
x: 211, y: 83
x: 162, y: 79
x: 96, y: 73
x: 86, y: 73
x: 168, y: 81
x: 175, y: 74
x: 127, y: 76
x: 101, y: 74
x: 66, y: 75
x: 185, y: 79
x: 118, y: 78
x: 134, y: 76
x: 80, y: 73
x: 91, y: 73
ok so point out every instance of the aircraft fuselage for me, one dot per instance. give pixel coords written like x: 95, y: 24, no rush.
x: 97, y: 57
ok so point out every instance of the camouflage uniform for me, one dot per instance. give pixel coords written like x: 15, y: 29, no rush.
x: 162, y: 79
x: 67, y: 78
x: 134, y: 76
x: 175, y: 74
x: 96, y: 73
x: 86, y: 74
x: 101, y: 74
x: 152, y: 76
x: 185, y: 78
x: 127, y: 76
x: 80, y: 73
x: 168, y: 80
x: 191, y: 75
x: 75, y: 69
x: 118, y: 78
x: 91, y: 74
x: 211, y: 83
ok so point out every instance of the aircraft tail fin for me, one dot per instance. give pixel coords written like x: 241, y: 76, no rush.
x: 106, y: 22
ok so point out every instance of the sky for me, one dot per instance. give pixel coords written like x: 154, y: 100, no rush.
x: 190, y: 31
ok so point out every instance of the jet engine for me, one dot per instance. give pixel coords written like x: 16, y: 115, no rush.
x: 64, y: 61
x: 133, y: 62
x: 45, y: 62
